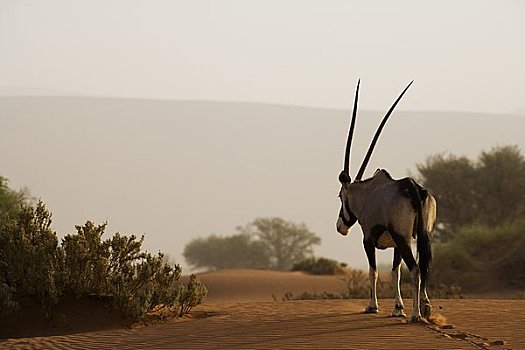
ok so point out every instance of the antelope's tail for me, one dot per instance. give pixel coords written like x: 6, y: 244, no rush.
x: 424, y: 249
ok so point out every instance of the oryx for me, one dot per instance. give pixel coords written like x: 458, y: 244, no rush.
x: 391, y: 214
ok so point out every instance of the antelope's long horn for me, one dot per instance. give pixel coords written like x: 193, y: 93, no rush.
x: 376, y: 136
x: 351, y: 131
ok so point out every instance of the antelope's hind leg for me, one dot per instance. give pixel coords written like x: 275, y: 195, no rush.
x: 396, y: 277
x: 424, y: 303
x: 410, y: 261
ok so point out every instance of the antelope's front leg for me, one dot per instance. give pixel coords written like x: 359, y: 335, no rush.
x: 372, y: 274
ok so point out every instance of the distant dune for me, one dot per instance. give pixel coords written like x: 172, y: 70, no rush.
x: 230, y: 286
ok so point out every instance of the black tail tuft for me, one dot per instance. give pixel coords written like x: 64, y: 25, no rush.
x: 424, y: 250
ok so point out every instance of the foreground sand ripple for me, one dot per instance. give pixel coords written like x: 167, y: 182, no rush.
x: 330, y: 324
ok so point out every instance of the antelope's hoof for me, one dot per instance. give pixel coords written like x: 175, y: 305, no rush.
x: 371, y: 310
x: 398, y: 313
x: 426, y: 310
x: 414, y: 319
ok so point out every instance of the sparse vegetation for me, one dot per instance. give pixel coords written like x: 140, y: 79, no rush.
x: 30, y: 260
x: 357, y: 286
x: 479, y: 257
x: 33, y: 264
x: 11, y: 200
x: 489, y: 191
x: 270, y: 243
x: 319, y: 266
x: 228, y: 252
x: 480, y: 234
x: 190, y: 295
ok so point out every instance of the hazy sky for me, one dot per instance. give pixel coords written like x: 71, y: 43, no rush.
x: 464, y: 55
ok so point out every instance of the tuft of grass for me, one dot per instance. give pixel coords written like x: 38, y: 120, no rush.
x: 357, y: 286
x: 289, y: 296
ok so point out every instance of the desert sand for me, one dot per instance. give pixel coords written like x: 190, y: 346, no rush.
x: 245, y: 311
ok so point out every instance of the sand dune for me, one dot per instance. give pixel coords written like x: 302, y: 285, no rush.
x: 263, y: 285
x: 240, y: 315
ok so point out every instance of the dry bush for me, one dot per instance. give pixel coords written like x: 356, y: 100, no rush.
x: 319, y: 266
x: 357, y: 286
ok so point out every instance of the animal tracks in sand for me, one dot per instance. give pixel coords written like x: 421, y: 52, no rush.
x: 450, y: 332
x: 439, y: 325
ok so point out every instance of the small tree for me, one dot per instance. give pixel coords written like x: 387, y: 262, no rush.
x: 216, y: 252
x: 271, y: 243
x: 284, y: 242
x: 500, y: 185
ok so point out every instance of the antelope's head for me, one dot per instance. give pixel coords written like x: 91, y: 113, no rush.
x: 347, y: 218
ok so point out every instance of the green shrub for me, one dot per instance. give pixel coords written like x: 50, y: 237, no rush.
x: 32, y: 264
x: 190, y: 295
x: 137, y: 282
x: 11, y: 200
x: 475, y: 238
x: 29, y: 258
x: 7, y: 302
x: 318, y: 266
x: 86, y: 260
x: 480, y: 256
x: 509, y: 263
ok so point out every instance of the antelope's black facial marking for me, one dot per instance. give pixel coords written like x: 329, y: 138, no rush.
x: 345, y: 213
x: 352, y: 219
